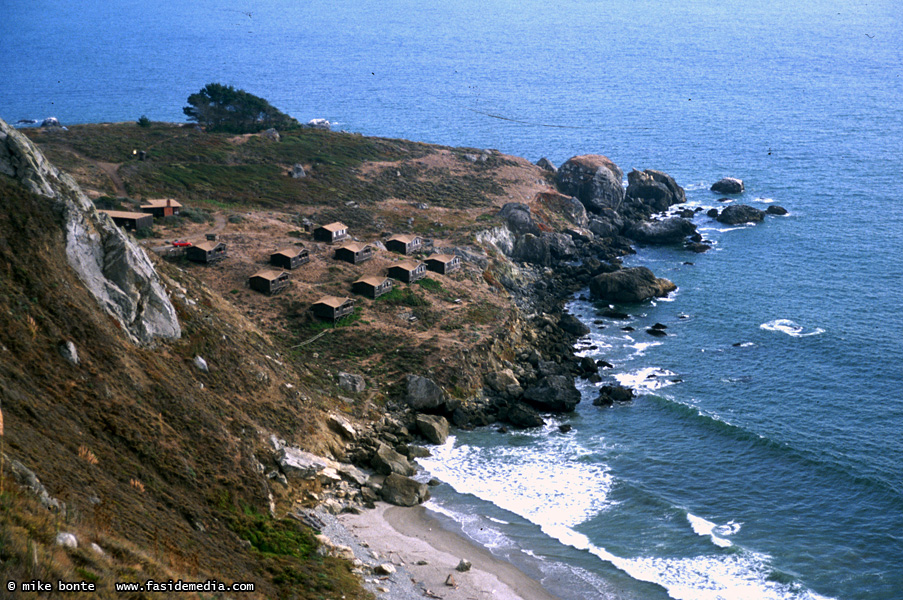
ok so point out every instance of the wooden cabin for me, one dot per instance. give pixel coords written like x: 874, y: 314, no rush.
x: 164, y: 207
x: 130, y: 220
x: 290, y: 258
x: 408, y: 271
x: 268, y: 281
x: 331, y: 308
x: 372, y: 287
x: 206, y: 252
x: 354, y: 253
x: 331, y: 233
x: 443, y: 263
x: 404, y: 244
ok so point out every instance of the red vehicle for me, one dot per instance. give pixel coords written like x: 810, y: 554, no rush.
x: 181, y: 243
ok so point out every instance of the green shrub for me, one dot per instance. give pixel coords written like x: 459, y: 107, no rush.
x: 196, y: 215
x: 144, y: 122
x: 144, y: 233
x: 235, y: 219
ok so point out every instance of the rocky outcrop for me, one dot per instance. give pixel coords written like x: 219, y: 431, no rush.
x: 561, y: 246
x: 774, y: 209
x: 352, y: 383
x: 424, y: 394
x: 434, y: 428
x: 740, y: 213
x: 386, y: 460
x: 113, y: 268
x: 403, y: 491
x: 546, y: 165
x: 518, y: 218
x: 728, y: 185
x: 594, y: 180
x: 567, y: 206
x: 673, y: 230
x: 532, y: 249
x: 607, y: 223
x: 500, y: 237
x: 571, y: 324
x: 554, y: 393
x: 629, y: 286
x: 653, y: 191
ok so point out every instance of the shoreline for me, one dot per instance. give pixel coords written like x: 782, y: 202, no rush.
x: 405, y: 537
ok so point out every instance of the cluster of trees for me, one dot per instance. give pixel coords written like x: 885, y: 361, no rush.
x: 223, y: 108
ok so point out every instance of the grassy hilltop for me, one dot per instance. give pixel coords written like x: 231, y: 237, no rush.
x: 157, y: 461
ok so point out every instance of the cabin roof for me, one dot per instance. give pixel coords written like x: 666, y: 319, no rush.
x: 268, y: 274
x: 404, y: 238
x: 354, y: 246
x: 373, y: 280
x: 161, y: 203
x: 208, y: 246
x: 333, y: 227
x: 444, y: 258
x: 407, y: 265
x: 289, y: 252
x: 124, y: 214
x: 332, y: 301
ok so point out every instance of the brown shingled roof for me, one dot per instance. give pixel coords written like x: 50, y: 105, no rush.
x: 336, y: 226
x: 207, y: 246
x: 268, y: 274
x: 290, y: 252
x: 442, y: 257
x: 407, y: 265
x: 404, y: 238
x: 123, y: 214
x: 161, y: 203
x: 374, y: 281
x: 332, y: 301
x: 354, y: 246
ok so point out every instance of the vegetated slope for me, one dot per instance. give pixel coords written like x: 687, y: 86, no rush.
x: 146, y: 455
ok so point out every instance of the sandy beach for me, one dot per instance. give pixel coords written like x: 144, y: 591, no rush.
x: 425, y: 555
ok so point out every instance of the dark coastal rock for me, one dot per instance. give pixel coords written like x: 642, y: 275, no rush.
x: 556, y: 393
x: 659, y: 326
x: 403, y: 491
x: 564, y: 428
x: 51, y: 122
x: 604, y: 364
x: 518, y: 218
x: 567, y: 206
x: 712, y: 212
x: 653, y: 190
x: 629, y: 286
x: 588, y: 365
x: 656, y: 332
x: 615, y: 314
x: 572, y: 325
x: 433, y: 427
x: 728, y: 185
x: 523, y: 416
x: 673, y: 230
x: 609, y: 394
x: 424, y: 394
x: 546, y: 165
x: 534, y: 250
x: 740, y: 213
x: 500, y: 381
x: 594, y: 180
x: 561, y: 246
x: 386, y: 460
x: 698, y: 247
x: 606, y: 223
x: 774, y: 209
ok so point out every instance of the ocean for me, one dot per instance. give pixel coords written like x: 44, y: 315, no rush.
x: 763, y: 458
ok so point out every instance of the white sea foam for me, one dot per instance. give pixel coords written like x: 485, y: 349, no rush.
x: 646, y: 379
x: 790, y: 328
x: 519, y: 479
x: 641, y: 347
x: 765, y: 200
x: 474, y: 526
x: 707, y: 529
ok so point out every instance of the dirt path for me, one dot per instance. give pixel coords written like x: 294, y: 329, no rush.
x: 112, y: 171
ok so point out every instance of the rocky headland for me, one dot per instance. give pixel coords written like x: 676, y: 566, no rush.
x: 230, y: 412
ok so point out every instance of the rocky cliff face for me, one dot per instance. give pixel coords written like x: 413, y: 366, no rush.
x: 116, y: 271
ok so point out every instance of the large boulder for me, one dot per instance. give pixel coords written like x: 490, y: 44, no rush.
x: 386, y: 461
x: 774, y: 209
x: 500, y: 237
x: 424, y: 394
x: 500, y: 381
x: 567, y: 206
x: 572, y: 325
x: 629, y: 286
x: 434, y: 428
x: 546, y: 165
x: 673, y: 230
x: 518, y: 218
x: 561, y: 246
x: 534, y: 250
x: 740, y: 213
x: 594, y: 180
x: 522, y: 416
x: 403, y: 491
x: 556, y: 393
x: 607, y: 223
x: 351, y: 382
x: 653, y: 190
x: 112, y: 266
x: 728, y: 185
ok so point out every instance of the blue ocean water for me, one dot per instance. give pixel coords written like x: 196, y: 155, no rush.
x: 772, y: 468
